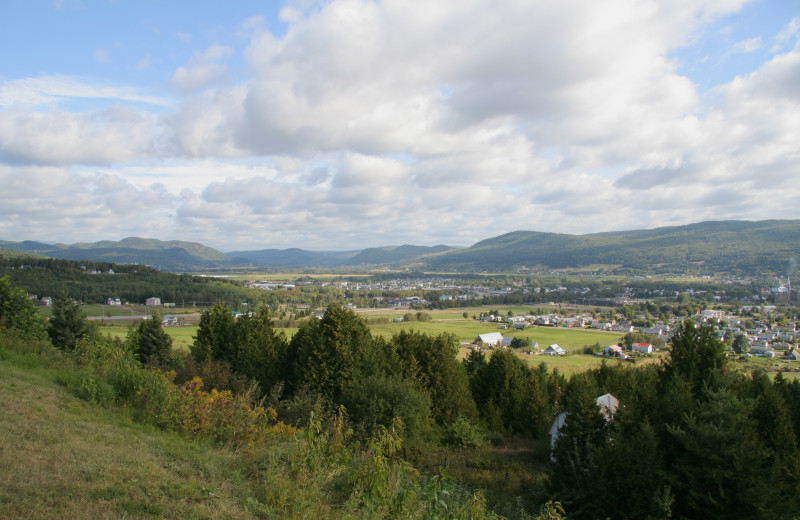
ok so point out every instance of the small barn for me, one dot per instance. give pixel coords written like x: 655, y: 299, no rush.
x: 554, y: 350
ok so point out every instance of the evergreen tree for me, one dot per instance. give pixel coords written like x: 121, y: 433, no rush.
x: 721, y: 469
x: 260, y: 350
x: 68, y: 324
x: 696, y: 355
x: 150, y: 343
x: 329, y: 353
x: 431, y: 361
x: 214, y: 339
x: 508, y: 397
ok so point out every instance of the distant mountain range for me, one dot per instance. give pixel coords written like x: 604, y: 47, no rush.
x: 729, y: 246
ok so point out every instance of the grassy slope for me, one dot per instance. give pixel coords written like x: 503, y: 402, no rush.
x: 61, y: 457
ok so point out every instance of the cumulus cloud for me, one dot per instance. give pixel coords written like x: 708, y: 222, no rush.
x: 108, y: 136
x: 447, y: 122
x: 50, y: 203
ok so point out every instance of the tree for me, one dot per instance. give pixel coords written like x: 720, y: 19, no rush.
x: 378, y: 399
x: 519, y: 343
x: 329, y: 353
x: 508, y: 397
x: 18, y: 313
x: 68, y: 324
x: 431, y: 360
x: 696, y: 355
x: 721, y: 469
x: 150, y: 343
x: 259, y: 350
x: 741, y: 345
x: 214, y: 339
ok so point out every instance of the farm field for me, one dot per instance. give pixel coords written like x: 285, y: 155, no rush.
x: 452, y: 321
x: 182, y: 337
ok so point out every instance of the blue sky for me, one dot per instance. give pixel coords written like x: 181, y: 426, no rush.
x: 352, y: 123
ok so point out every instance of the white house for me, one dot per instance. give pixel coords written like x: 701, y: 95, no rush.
x: 153, y: 302
x: 712, y: 313
x: 554, y: 350
x: 608, y: 405
x: 490, y: 339
x: 644, y: 348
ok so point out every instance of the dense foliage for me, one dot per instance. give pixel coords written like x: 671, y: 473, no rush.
x: 92, y: 282
x: 698, y: 440
x: 18, y: 313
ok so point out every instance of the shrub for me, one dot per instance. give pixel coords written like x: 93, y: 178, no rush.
x: 464, y: 434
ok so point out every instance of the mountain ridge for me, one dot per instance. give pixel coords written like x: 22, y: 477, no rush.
x: 733, y: 246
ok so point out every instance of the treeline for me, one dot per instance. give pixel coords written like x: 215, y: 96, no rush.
x: 413, y: 376
x: 133, y: 283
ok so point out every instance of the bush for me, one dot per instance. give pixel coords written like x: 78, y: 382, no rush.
x: 464, y: 434
x: 377, y: 400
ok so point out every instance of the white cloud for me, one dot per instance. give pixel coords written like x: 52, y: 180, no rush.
x: 788, y: 35
x: 748, y: 45
x: 32, y: 93
x: 109, y: 136
x: 53, y: 204
x: 203, y: 69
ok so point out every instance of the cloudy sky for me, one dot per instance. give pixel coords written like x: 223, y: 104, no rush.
x: 353, y: 123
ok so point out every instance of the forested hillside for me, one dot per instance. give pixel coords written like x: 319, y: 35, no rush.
x: 173, y: 255
x: 93, y: 282
x: 708, y: 247
x: 734, y: 247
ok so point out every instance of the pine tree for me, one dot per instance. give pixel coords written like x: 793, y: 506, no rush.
x: 68, y: 324
x: 150, y: 343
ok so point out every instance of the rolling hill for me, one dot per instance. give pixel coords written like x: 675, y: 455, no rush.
x: 738, y: 247
x: 173, y: 255
x: 728, y: 246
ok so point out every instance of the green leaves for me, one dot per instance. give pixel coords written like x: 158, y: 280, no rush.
x: 18, y: 313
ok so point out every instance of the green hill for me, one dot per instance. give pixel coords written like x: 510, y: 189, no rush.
x: 292, y: 257
x: 729, y: 246
x: 93, y: 282
x: 172, y: 255
x: 738, y: 247
x: 396, y: 254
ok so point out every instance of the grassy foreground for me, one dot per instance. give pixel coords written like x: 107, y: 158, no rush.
x: 66, y: 457
x: 61, y: 457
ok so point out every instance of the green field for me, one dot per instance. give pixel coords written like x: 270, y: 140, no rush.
x: 466, y: 330
x: 182, y: 337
